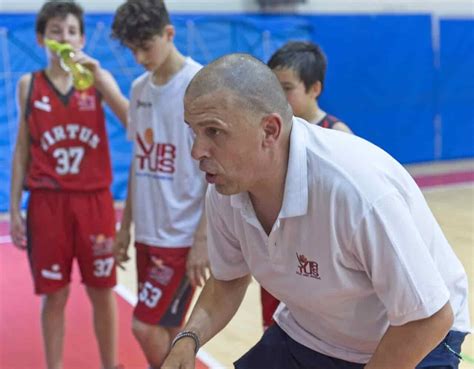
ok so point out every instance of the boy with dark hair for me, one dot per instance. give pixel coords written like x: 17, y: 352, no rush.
x: 61, y: 9
x: 62, y: 158
x: 300, y: 66
x: 166, y: 189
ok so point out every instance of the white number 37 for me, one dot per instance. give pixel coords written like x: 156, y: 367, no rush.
x: 68, y: 159
x: 103, y: 267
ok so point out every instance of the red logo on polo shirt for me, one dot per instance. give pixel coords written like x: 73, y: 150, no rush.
x: 307, y: 268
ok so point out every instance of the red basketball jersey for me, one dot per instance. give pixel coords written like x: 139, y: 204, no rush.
x: 69, y: 148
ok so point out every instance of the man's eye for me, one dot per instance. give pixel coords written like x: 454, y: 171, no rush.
x: 212, y: 131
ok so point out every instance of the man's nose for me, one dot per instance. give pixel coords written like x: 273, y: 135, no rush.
x: 199, y: 150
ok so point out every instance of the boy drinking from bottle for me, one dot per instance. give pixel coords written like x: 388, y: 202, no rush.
x: 62, y: 158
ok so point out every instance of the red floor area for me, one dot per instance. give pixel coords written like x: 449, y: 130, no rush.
x: 20, y: 334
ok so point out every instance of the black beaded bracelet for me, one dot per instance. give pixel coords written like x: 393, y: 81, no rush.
x: 190, y: 334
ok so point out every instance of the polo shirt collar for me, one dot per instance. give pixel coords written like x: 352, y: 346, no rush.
x: 295, y: 198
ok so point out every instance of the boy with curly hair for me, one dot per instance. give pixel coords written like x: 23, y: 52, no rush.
x: 166, y: 189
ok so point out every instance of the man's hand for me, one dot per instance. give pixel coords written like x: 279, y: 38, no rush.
x: 121, y: 244
x: 181, y: 355
x: 18, y: 230
x: 198, y: 263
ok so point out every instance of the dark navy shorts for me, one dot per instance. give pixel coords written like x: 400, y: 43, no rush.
x: 277, y: 350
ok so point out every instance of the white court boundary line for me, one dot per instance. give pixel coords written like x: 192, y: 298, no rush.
x: 202, y: 355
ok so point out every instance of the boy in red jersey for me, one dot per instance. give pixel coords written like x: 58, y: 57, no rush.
x: 62, y: 158
x: 300, y: 66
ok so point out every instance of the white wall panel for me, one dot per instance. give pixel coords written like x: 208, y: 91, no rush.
x: 442, y: 7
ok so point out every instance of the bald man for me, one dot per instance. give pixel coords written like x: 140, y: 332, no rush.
x: 328, y: 223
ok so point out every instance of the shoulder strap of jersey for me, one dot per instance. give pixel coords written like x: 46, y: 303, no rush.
x: 328, y: 121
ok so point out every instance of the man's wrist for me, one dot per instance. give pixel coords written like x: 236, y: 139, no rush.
x: 188, y: 334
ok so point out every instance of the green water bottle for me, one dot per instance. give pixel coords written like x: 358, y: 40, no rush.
x: 82, y: 77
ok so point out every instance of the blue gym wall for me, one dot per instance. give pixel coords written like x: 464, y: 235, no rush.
x: 389, y: 77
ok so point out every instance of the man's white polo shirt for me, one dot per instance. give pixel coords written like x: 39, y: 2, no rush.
x: 355, y: 247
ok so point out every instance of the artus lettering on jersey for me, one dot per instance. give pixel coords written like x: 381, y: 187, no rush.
x: 70, y: 131
x: 155, y: 156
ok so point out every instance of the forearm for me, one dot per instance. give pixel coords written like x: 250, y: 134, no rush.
x: 217, y: 304
x: 19, y: 166
x: 127, y: 218
x: 403, y: 347
x: 111, y: 94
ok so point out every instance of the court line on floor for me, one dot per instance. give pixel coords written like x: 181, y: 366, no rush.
x: 5, y: 239
x: 202, y: 355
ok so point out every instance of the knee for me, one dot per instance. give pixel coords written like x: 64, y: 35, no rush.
x: 100, y: 296
x: 56, y: 301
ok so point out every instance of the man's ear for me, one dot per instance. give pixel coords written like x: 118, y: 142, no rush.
x: 272, y: 127
x: 315, y: 89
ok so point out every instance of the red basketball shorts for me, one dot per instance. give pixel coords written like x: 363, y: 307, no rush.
x: 63, y: 226
x: 164, y: 291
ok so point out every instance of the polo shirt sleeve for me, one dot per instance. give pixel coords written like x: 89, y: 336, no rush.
x: 225, y: 254
x: 398, y: 262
